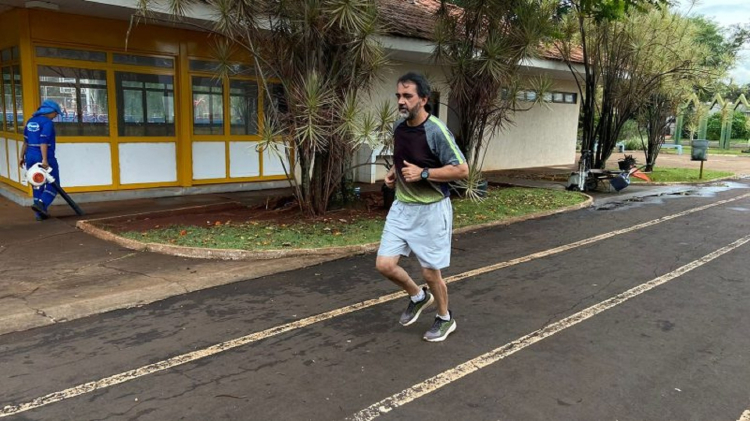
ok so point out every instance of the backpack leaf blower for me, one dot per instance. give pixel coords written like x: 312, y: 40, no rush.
x: 37, y: 176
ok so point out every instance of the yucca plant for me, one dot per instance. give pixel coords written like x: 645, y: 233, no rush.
x: 325, y: 57
x: 484, y: 44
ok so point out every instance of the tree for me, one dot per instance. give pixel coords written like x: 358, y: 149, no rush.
x: 484, y: 43
x: 627, y: 61
x: 582, y: 29
x: 324, y: 57
x: 724, y: 46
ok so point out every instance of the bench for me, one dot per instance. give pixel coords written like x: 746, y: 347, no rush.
x: 672, y: 146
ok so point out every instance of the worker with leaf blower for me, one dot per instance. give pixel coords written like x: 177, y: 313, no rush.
x: 39, y: 148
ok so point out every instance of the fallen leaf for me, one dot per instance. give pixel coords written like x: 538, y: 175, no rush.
x: 183, y: 232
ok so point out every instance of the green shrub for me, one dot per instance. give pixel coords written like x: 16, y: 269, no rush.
x: 633, y: 145
x: 739, y: 126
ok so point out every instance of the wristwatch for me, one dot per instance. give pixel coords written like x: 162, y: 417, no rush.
x: 425, y: 174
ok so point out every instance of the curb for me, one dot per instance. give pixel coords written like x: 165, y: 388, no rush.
x: 88, y: 226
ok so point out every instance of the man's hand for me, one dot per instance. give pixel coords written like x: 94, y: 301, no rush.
x: 45, y: 165
x: 390, y: 179
x: 411, y: 172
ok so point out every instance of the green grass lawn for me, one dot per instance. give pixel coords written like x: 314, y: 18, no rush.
x: 684, y: 175
x: 500, y: 204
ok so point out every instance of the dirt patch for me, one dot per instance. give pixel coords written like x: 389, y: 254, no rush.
x: 275, y: 211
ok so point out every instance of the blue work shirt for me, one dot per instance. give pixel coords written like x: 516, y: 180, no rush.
x: 40, y: 130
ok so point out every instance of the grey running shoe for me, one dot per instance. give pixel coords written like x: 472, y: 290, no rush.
x: 411, y: 314
x: 440, y: 329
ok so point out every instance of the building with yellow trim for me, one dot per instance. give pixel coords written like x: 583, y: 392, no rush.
x: 145, y: 115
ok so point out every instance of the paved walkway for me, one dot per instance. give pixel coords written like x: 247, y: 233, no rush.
x: 52, y: 272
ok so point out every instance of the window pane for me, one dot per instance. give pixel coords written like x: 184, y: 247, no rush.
x: 242, y: 70
x: 277, y: 100
x: 145, y: 104
x: 14, y: 54
x: 82, y: 94
x: 19, y: 95
x: 143, y: 60
x: 435, y: 104
x: 557, y: 97
x: 203, y: 66
x: 52, y: 52
x: 2, y: 104
x: 5, y: 54
x: 208, y: 111
x: 243, y: 107
x: 9, y: 117
x: 570, y: 98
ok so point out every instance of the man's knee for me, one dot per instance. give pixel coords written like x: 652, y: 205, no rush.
x: 432, y: 276
x: 386, y: 265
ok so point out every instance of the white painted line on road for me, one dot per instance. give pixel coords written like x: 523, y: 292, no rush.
x: 84, y: 388
x: 586, y: 241
x: 745, y: 416
x: 449, y: 376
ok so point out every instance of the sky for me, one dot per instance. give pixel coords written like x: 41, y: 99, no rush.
x: 725, y: 13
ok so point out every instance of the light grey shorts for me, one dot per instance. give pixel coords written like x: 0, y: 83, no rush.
x: 422, y: 229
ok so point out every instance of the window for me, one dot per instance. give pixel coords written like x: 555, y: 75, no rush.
x: 243, y: 107
x: 562, y: 97
x: 276, y: 101
x: 18, y: 92
x: 145, y: 104
x: 65, y: 53
x: 525, y: 95
x: 134, y: 60
x: 10, y: 81
x: 84, y: 102
x: 435, y: 104
x: 204, y: 66
x: 234, y: 69
x: 208, y: 112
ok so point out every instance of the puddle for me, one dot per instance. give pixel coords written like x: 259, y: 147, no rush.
x: 658, y: 196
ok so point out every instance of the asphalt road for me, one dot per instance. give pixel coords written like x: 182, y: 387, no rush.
x: 632, y: 311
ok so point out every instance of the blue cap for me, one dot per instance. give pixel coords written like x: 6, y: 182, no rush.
x: 48, y: 106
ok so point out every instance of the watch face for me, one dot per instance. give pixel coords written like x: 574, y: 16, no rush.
x: 425, y: 174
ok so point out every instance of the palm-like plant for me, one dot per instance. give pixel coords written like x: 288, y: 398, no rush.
x: 325, y: 57
x: 484, y: 44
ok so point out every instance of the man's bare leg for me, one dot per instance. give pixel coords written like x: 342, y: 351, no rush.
x: 388, y: 267
x: 438, y: 288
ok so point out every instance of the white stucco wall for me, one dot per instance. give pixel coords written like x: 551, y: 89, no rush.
x: 542, y: 136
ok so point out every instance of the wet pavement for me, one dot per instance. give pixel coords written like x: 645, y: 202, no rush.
x: 631, y: 312
x: 52, y: 272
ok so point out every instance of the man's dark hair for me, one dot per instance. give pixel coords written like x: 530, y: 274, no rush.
x: 423, y: 87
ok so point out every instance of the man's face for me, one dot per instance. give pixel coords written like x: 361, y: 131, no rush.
x: 409, y: 103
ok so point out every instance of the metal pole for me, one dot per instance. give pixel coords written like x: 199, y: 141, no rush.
x: 700, y: 176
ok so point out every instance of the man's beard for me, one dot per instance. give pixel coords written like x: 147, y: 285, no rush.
x: 407, y: 113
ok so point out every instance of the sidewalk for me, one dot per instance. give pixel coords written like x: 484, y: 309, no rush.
x: 76, y: 275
